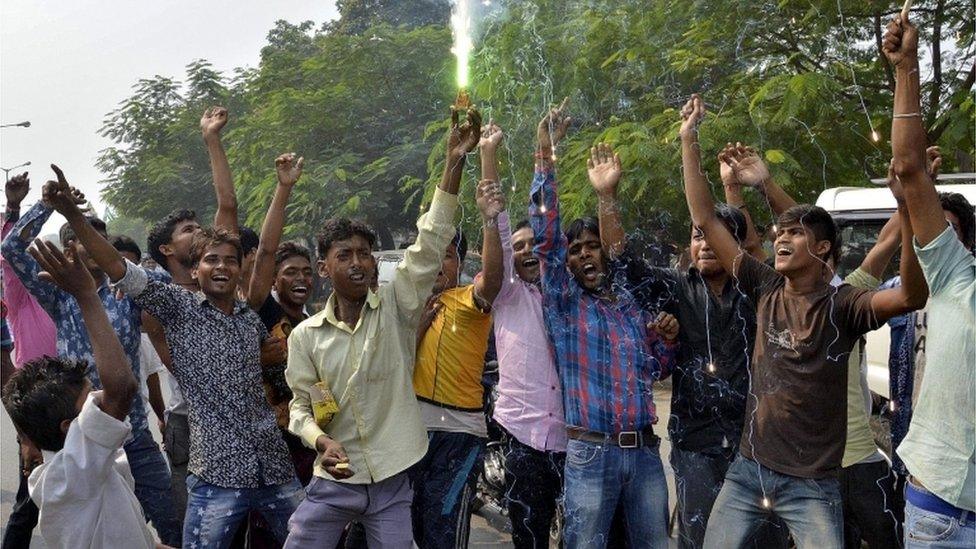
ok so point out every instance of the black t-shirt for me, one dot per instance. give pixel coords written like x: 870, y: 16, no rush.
x: 797, y: 419
x: 279, y: 324
x: 710, y: 381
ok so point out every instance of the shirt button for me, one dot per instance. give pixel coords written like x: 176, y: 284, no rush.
x: 553, y: 387
x: 550, y: 414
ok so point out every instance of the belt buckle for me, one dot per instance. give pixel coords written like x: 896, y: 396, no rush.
x: 624, y: 436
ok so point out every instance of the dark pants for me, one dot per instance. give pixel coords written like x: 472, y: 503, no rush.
x: 23, y: 518
x: 153, y: 486
x: 698, y: 479
x: 443, y: 483
x: 533, y: 484
x: 176, y: 439
x: 871, y: 510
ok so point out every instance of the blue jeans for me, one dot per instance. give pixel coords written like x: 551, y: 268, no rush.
x: 926, y: 529
x: 213, y: 513
x: 598, y: 477
x: 811, y: 508
x: 153, y: 488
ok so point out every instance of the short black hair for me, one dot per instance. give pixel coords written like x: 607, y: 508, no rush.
x: 460, y: 243
x: 734, y: 220
x: 67, y: 234
x: 581, y: 225
x: 820, y: 223
x: 249, y: 240
x: 210, y: 237
x: 41, y: 395
x: 162, y: 233
x: 343, y: 228
x: 958, y: 205
x: 288, y: 250
x: 524, y: 224
x: 123, y: 243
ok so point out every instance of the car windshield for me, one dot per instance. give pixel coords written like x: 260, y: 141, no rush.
x: 858, y: 235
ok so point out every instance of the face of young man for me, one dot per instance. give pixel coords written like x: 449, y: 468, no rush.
x: 182, y: 237
x: 585, y: 260
x: 797, y: 250
x: 293, y: 281
x: 351, y: 267
x: 702, y: 255
x: 526, y: 262
x: 448, y: 277
x: 218, y: 271
x: 953, y: 220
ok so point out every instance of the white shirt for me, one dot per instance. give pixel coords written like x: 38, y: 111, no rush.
x: 149, y: 364
x: 85, y: 490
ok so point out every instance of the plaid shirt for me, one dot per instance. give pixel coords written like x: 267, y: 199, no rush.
x: 607, y: 358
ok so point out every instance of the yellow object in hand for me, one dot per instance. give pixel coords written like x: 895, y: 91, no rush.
x: 324, y: 405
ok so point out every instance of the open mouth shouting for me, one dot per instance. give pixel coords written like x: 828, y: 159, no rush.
x: 530, y: 262
x: 357, y: 277
x: 300, y: 290
x: 590, y: 271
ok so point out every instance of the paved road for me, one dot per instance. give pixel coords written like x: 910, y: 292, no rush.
x: 483, y: 535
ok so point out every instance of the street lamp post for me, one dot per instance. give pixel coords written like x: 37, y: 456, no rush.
x: 24, y: 124
x: 6, y: 171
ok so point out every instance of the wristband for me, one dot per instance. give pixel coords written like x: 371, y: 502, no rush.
x: 539, y: 155
x: 907, y: 115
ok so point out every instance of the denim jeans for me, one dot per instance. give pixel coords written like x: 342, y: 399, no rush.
x: 533, y: 484
x: 598, y: 477
x: 698, y: 478
x: 213, y: 513
x: 926, y: 529
x: 153, y: 488
x: 443, y: 484
x: 811, y: 508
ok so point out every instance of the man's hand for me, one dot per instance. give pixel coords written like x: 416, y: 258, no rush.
x: 16, y: 189
x: 552, y: 128
x: 666, y: 326
x: 900, y: 42
x: 274, y: 351
x: 933, y: 164
x: 333, y: 454
x: 63, y: 269
x: 724, y: 169
x: 604, y: 169
x: 491, y: 137
x: 288, y: 169
x: 691, y: 116
x: 61, y: 196
x: 491, y: 201
x: 747, y: 166
x: 212, y: 121
x: 431, y: 308
x: 463, y: 138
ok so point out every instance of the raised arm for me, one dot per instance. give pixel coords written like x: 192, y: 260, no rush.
x: 212, y: 121
x: 604, y: 171
x: 491, y: 139
x: 461, y: 139
x: 884, y: 249
x: 733, y: 197
x: 491, y: 203
x: 550, y: 243
x: 59, y: 194
x: 750, y: 170
x: 908, y: 137
x: 913, y: 292
x: 699, y: 196
x: 68, y: 272
x: 288, y: 170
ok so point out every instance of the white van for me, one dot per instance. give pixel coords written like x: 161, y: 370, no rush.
x: 860, y: 213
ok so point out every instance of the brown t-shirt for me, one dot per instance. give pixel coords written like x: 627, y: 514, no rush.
x: 796, y: 419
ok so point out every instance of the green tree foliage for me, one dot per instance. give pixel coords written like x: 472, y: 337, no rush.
x: 364, y: 100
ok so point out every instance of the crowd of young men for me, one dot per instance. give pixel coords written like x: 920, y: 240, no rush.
x: 285, y: 428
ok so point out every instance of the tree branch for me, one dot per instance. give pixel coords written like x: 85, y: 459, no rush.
x: 935, y: 94
x: 936, y: 132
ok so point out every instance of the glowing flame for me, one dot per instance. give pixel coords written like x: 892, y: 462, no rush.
x: 875, y: 136
x: 711, y: 367
x: 765, y: 503
x: 461, y: 26
x: 891, y: 405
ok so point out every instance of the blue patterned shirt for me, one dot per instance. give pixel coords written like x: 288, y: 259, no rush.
x: 73, y: 341
x: 606, y: 357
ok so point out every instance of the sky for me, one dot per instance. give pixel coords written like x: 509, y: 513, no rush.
x: 65, y: 65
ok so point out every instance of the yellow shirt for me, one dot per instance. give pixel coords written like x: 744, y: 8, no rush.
x: 451, y: 357
x: 369, y: 367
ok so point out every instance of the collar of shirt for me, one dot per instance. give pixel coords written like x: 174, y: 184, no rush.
x: 202, y: 300
x: 328, y: 314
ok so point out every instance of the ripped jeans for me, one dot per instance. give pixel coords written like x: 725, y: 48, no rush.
x: 811, y: 508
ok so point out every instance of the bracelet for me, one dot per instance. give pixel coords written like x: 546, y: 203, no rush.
x: 907, y: 115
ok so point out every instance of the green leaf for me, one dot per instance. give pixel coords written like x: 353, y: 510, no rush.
x: 775, y: 156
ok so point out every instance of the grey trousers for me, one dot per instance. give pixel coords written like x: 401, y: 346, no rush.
x: 383, y: 508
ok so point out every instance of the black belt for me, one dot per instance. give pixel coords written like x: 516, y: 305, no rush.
x: 623, y: 439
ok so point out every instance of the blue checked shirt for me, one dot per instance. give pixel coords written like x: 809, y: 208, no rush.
x: 73, y: 341
x: 606, y: 357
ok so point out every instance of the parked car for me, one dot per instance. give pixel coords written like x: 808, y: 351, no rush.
x: 860, y: 213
